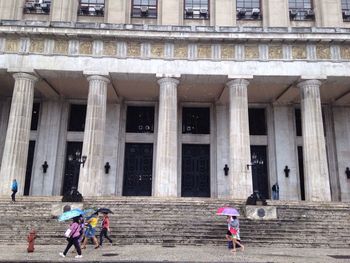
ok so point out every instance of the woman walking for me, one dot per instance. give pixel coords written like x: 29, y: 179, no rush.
x: 234, y: 229
x: 73, y: 239
x: 105, y: 229
x: 91, y: 230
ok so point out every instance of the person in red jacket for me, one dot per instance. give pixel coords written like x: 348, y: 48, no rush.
x: 105, y: 229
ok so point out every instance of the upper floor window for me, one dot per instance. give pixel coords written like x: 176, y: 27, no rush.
x: 35, y: 117
x: 140, y: 119
x: 196, y: 120
x: 77, y: 117
x: 301, y: 10
x: 248, y: 9
x: 91, y: 8
x: 345, y: 7
x: 144, y: 8
x: 196, y: 9
x: 37, y: 7
x: 257, y: 121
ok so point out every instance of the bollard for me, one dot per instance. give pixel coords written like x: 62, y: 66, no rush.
x: 31, y: 237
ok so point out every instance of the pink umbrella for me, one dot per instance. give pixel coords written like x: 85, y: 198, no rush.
x: 227, y: 211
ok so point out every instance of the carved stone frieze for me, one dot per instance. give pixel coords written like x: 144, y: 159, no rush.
x: 251, y: 51
x: 61, y: 46
x: 12, y: 45
x: 323, y: 51
x: 85, y: 47
x: 275, y: 52
x: 227, y: 51
x: 345, y: 52
x: 180, y: 50
x: 157, y: 50
x: 299, y: 51
x: 109, y: 48
x: 204, y: 51
x: 134, y: 49
x: 37, y: 45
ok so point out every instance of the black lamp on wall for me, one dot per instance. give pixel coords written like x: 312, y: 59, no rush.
x: 45, y: 166
x: 226, y: 169
x: 347, y: 172
x: 286, y: 171
x: 107, y: 167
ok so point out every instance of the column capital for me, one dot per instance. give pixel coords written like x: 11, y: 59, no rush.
x: 168, y: 80
x: 309, y: 82
x: 235, y: 82
x: 98, y: 77
x: 22, y: 75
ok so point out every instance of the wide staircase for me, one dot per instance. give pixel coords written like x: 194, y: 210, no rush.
x: 185, y: 221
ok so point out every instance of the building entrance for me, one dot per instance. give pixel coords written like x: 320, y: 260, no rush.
x: 259, y: 170
x: 138, y: 166
x: 29, y: 168
x: 195, y: 170
x: 71, y: 169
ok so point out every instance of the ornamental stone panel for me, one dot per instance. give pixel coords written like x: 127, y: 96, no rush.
x: 134, y: 49
x: 157, y: 50
x: 323, y: 51
x: 180, y: 50
x: 275, y: 52
x: 37, y: 46
x: 61, y: 47
x: 204, y: 51
x: 85, y: 47
x: 251, y: 52
x: 12, y: 45
x: 227, y: 51
x: 299, y: 52
x: 109, y: 48
x: 345, y: 52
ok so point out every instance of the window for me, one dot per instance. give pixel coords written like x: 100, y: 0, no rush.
x: 345, y: 8
x: 37, y: 7
x: 91, y: 8
x: 196, y: 9
x: 248, y: 9
x: 77, y: 118
x: 144, y: 8
x: 196, y: 120
x: 35, y: 117
x: 257, y: 121
x: 298, y: 122
x: 140, y: 119
x: 301, y: 10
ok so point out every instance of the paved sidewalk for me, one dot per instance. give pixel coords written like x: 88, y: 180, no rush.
x: 185, y: 254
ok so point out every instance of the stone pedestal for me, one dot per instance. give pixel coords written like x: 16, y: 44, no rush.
x: 314, y: 148
x: 90, y: 180
x: 255, y: 212
x: 166, y: 161
x: 241, y: 177
x: 15, y: 153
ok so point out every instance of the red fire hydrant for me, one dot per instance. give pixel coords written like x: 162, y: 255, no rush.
x: 31, y: 237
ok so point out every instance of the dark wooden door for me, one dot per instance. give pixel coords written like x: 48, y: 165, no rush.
x: 301, y: 172
x: 259, y: 170
x: 195, y: 170
x: 29, y: 167
x: 138, y: 164
x: 71, y: 170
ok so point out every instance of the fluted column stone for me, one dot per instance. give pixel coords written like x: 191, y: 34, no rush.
x: 166, y: 161
x: 241, y: 177
x: 314, y: 147
x: 14, y: 161
x: 90, y: 179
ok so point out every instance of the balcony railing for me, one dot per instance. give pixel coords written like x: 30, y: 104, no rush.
x: 37, y: 7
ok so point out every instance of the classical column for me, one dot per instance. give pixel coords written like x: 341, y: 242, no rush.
x: 241, y: 177
x: 314, y: 148
x: 90, y: 180
x: 15, y: 153
x: 166, y: 161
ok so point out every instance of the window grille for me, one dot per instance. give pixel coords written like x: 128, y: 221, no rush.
x: 196, y: 9
x: 91, y: 8
x: 248, y: 9
x: 345, y: 8
x: 301, y: 10
x: 37, y: 7
x: 144, y: 8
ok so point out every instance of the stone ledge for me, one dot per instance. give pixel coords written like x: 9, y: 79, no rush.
x: 261, y: 212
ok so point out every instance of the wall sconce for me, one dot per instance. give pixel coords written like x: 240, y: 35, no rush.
x: 107, y: 167
x: 347, y: 172
x: 286, y: 171
x: 45, y: 166
x: 226, y: 170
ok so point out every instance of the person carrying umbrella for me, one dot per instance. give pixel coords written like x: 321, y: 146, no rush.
x: 73, y: 237
x: 91, y: 230
x: 234, y: 229
x: 105, y: 228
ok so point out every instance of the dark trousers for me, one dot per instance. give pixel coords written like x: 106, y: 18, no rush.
x: 71, y: 242
x: 104, y: 233
x: 13, y: 196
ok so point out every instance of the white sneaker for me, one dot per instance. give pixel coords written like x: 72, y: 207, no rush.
x: 62, y: 255
x: 78, y: 256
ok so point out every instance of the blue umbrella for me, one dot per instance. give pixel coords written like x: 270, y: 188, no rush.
x: 70, y: 214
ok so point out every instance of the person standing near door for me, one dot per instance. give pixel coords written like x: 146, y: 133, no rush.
x: 14, y: 189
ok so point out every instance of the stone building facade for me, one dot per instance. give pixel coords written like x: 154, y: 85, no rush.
x: 174, y: 98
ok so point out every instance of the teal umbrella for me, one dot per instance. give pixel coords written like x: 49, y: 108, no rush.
x: 70, y: 214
